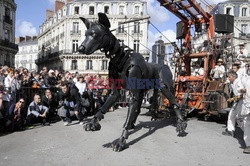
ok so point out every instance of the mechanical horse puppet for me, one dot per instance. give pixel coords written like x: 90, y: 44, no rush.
x: 128, y: 66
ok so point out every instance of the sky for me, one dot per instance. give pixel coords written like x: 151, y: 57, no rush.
x: 30, y: 15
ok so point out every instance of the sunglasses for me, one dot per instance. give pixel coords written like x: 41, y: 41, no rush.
x: 21, y: 101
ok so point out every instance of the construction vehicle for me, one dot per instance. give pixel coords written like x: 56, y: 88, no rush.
x: 196, y: 92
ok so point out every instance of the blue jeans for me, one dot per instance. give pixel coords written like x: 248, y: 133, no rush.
x: 68, y: 119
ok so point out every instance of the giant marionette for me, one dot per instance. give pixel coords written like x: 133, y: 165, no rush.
x: 130, y: 67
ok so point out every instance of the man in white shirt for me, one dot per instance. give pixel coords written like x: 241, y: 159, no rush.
x: 81, y: 85
x: 245, y: 112
x: 237, y: 103
x: 218, y: 71
x: 198, y: 70
x: 242, y: 52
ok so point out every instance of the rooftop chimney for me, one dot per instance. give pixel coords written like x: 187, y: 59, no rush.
x: 27, y: 38
x: 58, y: 5
x: 49, y: 13
x: 19, y: 39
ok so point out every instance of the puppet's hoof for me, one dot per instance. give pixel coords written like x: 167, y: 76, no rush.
x: 94, y: 125
x: 119, y: 145
x: 181, y: 126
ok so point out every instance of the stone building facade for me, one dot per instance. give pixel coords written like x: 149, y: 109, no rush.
x: 8, y: 48
x: 240, y: 9
x: 62, y: 33
x: 27, y: 53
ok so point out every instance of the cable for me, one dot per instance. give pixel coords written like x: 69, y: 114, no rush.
x: 172, y: 43
x: 141, y: 43
x: 206, y: 3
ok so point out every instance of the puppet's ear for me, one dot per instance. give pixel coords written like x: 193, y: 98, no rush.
x: 86, y: 22
x: 103, y: 19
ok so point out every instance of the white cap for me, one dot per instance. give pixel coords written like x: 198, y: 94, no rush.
x: 51, y: 71
x: 241, y: 44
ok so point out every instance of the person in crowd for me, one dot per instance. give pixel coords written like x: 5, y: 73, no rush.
x: 242, y: 52
x: 26, y: 80
x: 2, y: 76
x: 242, y: 68
x: 99, y: 82
x: 72, y: 101
x: 2, y: 112
x: 11, y: 86
x: 218, y: 71
x: 49, y: 100
x: 44, y: 74
x: 68, y: 77
x: 236, y: 107
x: 51, y: 80
x: 75, y: 77
x: 245, y: 112
x: 85, y: 103
x: 17, y: 115
x: 36, y: 80
x: 37, y: 112
x: 198, y: 70
x: 81, y: 85
x: 240, y: 71
x: 58, y: 75
x: 235, y: 68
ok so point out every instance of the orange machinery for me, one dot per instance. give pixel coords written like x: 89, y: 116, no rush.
x: 194, y: 89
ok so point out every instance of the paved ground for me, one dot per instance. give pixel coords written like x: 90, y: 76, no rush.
x: 153, y: 143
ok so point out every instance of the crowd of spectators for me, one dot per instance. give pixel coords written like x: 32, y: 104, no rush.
x: 30, y: 97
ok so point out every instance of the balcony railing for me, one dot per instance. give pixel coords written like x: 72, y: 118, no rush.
x: 244, y: 35
x: 89, y: 67
x: 47, y: 55
x: 7, y: 43
x: 136, y: 32
x: 7, y: 20
x: 121, y: 32
x: 75, y: 32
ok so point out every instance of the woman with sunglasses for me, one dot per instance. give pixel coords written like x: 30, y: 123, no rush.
x: 16, y: 115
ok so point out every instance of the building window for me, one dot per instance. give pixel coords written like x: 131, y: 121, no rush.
x: 136, y: 27
x: 89, y: 65
x: 136, y: 45
x: 75, y: 45
x: 76, y: 10
x: 75, y: 27
x: 7, y: 34
x: 228, y: 10
x: 121, y: 10
x: 137, y: 8
x: 91, y: 10
x: 106, y: 9
x: 244, y: 11
x: 244, y: 28
x: 7, y: 12
x: 120, y: 27
x: 74, y: 64
x: 104, y: 65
